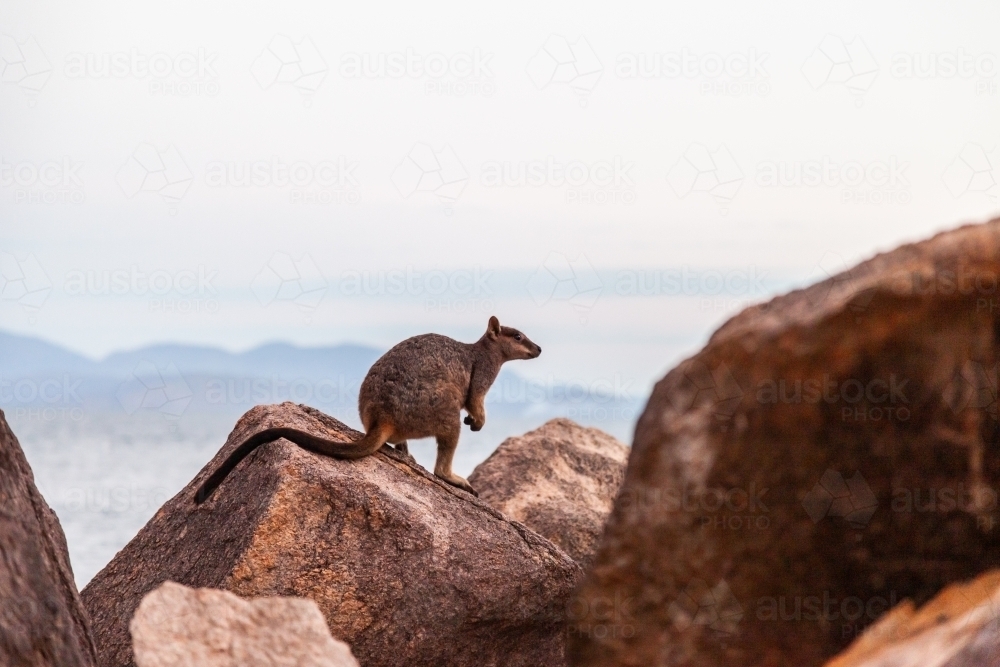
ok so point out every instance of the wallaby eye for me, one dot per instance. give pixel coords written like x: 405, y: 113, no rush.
x: 517, y: 336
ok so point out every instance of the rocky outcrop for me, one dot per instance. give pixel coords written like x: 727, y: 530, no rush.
x: 560, y: 480
x: 826, y: 455
x: 176, y: 625
x: 958, y: 628
x: 405, y: 568
x: 42, y: 621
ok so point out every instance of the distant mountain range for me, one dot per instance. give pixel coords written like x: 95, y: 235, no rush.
x: 25, y: 356
x: 176, y: 380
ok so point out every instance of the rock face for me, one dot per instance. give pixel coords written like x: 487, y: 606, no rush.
x: 958, y: 628
x: 177, y: 625
x: 560, y: 480
x: 42, y: 621
x: 405, y: 568
x: 825, y: 456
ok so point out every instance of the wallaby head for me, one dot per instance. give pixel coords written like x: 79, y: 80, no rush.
x: 511, y: 343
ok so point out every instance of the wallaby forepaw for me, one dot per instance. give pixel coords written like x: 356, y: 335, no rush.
x: 468, y: 420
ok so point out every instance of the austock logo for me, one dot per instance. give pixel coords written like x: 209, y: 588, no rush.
x: 721, y: 289
x: 50, y: 182
x: 600, y: 617
x: 858, y: 285
x: 598, y: 182
x: 711, y: 172
x: 713, y: 607
x: 298, y: 64
x: 561, y: 279
x: 184, y: 74
x: 871, y: 182
x: 114, y: 500
x: 715, y: 507
x: 153, y: 171
x: 339, y: 390
x: 835, y: 62
x: 734, y: 73
x: 833, y: 496
x: 437, y: 172
x: 974, y: 386
x: 42, y: 399
x: 974, y: 170
x: 152, y: 388
x: 24, y: 282
x: 854, y: 613
x: 459, y: 290
x: 284, y: 278
x: 561, y: 62
x: 168, y: 291
x: 982, y: 67
x: 833, y: 277
x: 715, y: 388
x: 323, y: 182
x: 23, y: 63
x: 456, y: 74
x: 874, y: 399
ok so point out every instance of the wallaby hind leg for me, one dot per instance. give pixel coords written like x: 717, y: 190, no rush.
x: 447, y: 443
x: 399, y: 444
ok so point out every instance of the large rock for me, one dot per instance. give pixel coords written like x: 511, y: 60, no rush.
x: 824, y: 456
x: 958, y: 628
x: 42, y: 621
x: 405, y: 568
x: 176, y: 625
x: 560, y: 480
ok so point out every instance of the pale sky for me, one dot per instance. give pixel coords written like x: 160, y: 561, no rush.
x: 234, y: 173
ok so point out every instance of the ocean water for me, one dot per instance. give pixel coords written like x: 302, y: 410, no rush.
x: 106, y: 474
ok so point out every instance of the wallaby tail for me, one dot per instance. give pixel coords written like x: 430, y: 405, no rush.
x: 369, y: 444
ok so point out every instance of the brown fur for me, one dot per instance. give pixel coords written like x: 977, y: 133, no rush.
x: 415, y: 390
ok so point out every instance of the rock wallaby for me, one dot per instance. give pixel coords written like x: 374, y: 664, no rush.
x: 415, y: 390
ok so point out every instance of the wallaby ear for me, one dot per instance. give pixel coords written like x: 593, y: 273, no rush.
x: 493, y: 328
